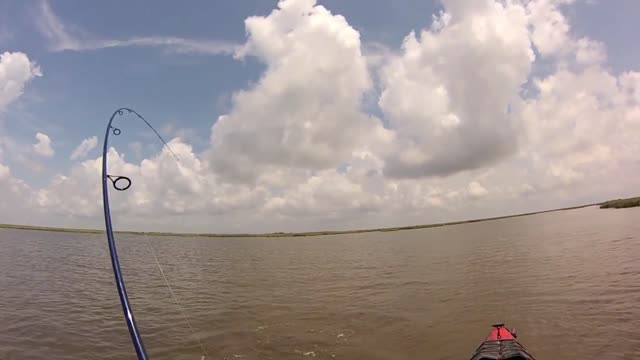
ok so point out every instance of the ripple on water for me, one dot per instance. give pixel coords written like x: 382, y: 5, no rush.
x: 568, y: 281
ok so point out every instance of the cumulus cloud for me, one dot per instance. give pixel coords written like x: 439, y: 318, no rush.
x: 84, y: 148
x: 552, y: 38
x: 431, y: 92
x: 15, y: 71
x: 281, y: 200
x: 43, y: 145
x: 582, y: 123
x: 161, y: 185
x: 550, y: 28
x: 304, y: 112
x: 17, y: 204
x: 461, y: 138
x: 477, y: 190
x: 4, y: 171
x: 62, y: 38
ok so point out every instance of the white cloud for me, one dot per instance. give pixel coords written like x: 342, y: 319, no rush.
x: 62, y: 38
x: 477, y: 190
x: 304, y: 112
x: 17, y: 204
x: 174, y: 44
x: 551, y: 35
x: 550, y: 28
x: 327, y: 193
x: 4, y: 171
x: 462, y: 139
x: 431, y: 92
x: 160, y: 185
x: 164, y: 189
x: 15, y: 71
x: 582, y: 124
x: 53, y: 29
x: 43, y: 146
x: 84, y: 148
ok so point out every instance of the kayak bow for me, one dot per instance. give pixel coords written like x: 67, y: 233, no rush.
x: 501, y: 344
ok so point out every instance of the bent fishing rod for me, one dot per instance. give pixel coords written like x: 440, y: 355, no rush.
x: 125, y: 183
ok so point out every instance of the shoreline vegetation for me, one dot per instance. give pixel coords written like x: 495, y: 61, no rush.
x: 621, y: 203
x: 608, y: 204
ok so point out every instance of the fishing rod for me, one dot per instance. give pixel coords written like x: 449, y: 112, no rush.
x: 125, y: 183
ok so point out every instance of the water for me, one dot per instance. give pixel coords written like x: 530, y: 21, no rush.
x: 568, y: 281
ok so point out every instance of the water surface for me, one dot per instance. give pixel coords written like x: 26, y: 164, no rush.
x: 568, y: 281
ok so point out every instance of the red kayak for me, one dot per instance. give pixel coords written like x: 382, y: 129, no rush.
x: 501, y: 344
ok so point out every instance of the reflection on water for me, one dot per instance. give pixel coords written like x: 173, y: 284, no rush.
x: 568, y: 281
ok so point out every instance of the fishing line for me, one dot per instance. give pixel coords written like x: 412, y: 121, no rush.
x: 205, y: 354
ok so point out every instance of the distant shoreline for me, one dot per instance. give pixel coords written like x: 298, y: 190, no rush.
x: 621, y: 203
x: 284, y: 234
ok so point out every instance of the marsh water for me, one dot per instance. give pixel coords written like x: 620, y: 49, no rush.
x: 569, y: 281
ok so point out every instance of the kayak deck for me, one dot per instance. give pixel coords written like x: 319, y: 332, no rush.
x: 501, y: 344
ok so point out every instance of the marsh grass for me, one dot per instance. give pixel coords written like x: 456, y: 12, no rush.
x: 620, y: 203
x: 282, y: 234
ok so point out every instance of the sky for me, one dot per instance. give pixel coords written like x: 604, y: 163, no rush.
x: 304, y: 115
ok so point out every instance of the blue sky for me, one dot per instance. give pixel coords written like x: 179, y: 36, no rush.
x: 183, y: 91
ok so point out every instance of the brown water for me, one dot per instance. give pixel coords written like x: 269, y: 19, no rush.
x: 568, y: 281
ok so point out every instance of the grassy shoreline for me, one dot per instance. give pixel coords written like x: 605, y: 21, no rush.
x: 284, y: 234
x: 621, y: 203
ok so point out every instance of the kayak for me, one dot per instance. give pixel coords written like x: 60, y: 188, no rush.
x: 501, y: 344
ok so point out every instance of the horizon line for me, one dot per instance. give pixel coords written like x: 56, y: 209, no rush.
x: 288, y: 234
